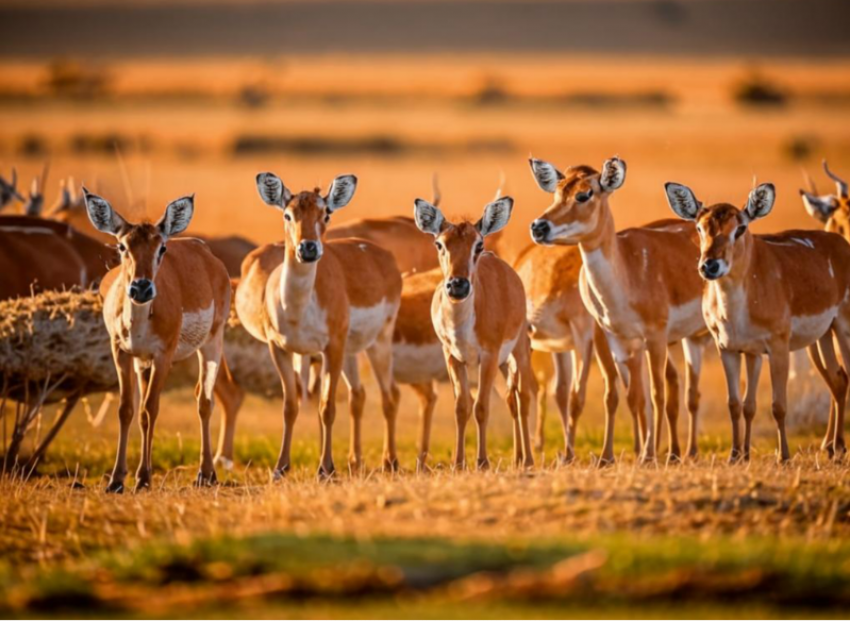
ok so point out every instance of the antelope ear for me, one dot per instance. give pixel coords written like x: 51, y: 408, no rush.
x: 496, y: 216
x: 613, y: 174
x: 819, y: 207
x: 429, y: 219
x: 102, y: 216
x: 760, y: 201
x: 272, y: 190
x: 177, y: 216
x: 341, y: 191
x: 682, y: 200
x: 546, y: 175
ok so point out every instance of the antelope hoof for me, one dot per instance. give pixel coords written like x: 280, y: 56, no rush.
x: 647, y: 459
x: 142, y: 485
x: 459, y: 466
x: 483, y: 463
x: 735, y: 457
x: 206, y: 480
x: 839, y: 451
x: 355, y: 465
x: 422, y: 464
x: 693, y: 453
x: 325, y: 473
x: 527, y: 463
x: 606, y: 461
x: 566, y: 459
x: 674, y: 457
x: 115, y: 487
x: 390, y: 464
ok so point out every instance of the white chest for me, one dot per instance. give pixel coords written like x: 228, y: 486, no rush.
x: 304, y: 331
x: 728, y: 319
x: 458, y: 336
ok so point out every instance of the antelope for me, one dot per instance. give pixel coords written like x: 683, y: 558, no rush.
x: 338, y: 298
x: 34, y: 204
x: 833, y: 210
x: 562, y: 326
x: 478, y: 315
x: 160, y: 307
x: 771, y: 294
x: 632, y: 283
x: 9, y: 190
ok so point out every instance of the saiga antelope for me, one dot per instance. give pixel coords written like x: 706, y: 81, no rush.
x: 160, y: 307
x: 478, y: 313
x: 561, y: 325
x: 770, y: 294
x: 308, y: 296
x: 633, y: 284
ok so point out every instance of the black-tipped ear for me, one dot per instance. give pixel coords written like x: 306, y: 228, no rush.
x: 613, y: 174
x: 429, y: 219
x: 102, y: 216
x: 761, y: 201
x: 272, y: 190
x: 545, y: 174
x: 682, y: 200
x: 496, y: 216
x: 177, y: 216
x: 341, y: 192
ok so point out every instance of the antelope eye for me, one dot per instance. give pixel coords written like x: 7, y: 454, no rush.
x: 287, y: 217
x: 162, y: 250
x: 479, y: 247
x: 327, y: 217
x: 121, y: 247
x: 740, y: 231
x: 439, y: 246
x: 583, y: 197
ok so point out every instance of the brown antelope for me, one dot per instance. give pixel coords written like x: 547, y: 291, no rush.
x: 771, y: 294
x: 160, y: 307
x: 9, y: 191
x: 831, y: 209
x: 308, y: 296
x: 562, y: 326
x: 633, y: 284
x: 479, y: 316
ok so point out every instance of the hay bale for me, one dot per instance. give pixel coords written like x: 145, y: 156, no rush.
x: 57, y: 335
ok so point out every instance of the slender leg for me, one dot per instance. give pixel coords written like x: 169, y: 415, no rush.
x: 282, y: 361
x: 779, y: 361
x: 427, y: 402
x: 836, y: 380
x: 126, y: 411
x: 731, y: 361
x: 525, y: 394
x: 637, y: 399
x: 209, y: 361
x: 512, y: 400
x: 488, y: 368
x: 460, y: 384
x: 753, y: 373
x: 563, y: 382
x: 612, y: 397
x: 542, y: 405
x: 672, y: 411
x: 381, y: 358
x: 152, y: 381
x: 356, y: 403
x: 693, y: 349
x: 230, y: 395
x: 332, y: 369
x: 583, y: 337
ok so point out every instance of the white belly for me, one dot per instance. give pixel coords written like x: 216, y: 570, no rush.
x: 366, y: 323
x: 548, y: 332
x: 417, y: 364
x: 807, y: 329
x: 305, y: 334
x: 194, y: 331
x: 685, y: 320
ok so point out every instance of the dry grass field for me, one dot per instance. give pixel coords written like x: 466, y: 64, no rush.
x: 699, y: 540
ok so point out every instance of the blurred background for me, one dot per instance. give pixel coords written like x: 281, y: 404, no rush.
x: 200, y: 95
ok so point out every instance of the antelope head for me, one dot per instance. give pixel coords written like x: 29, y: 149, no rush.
x: 581, y: 193
x: 306, y: 215
x: 459, y: 246
x: 722, y: 228
x: 141, y: 246
x: 9, y: 190
x: 831, y: 209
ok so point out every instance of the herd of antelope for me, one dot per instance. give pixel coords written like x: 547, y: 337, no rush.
x: 428, y: 299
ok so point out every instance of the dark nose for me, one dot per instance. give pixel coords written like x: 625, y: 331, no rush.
x: 710, y: 268
x: 458, y: 288
x: 540, y: 230
x: 308, y: 251
x: 142, y: 291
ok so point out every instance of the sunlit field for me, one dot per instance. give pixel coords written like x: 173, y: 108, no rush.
x: 702, y: 539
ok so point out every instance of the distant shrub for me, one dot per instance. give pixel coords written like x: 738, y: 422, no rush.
x: 799, y: 148
x: 756, y: 90
x: 33, y: 145
x: 69, y: 78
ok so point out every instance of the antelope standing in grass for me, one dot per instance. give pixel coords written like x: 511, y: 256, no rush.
x: 562, y: 326
x: 9, y: 190
x: 771, y: 294
x: 308, y: 296
x: 478, y: 313
x: 160, y: 307
x: 633, y: 284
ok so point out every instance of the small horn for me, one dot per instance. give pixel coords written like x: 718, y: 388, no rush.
x: 813, y: 189
x: 14, y: 177
x: 501, y: 187
x: 435, y: 186
x: 840, y: 184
